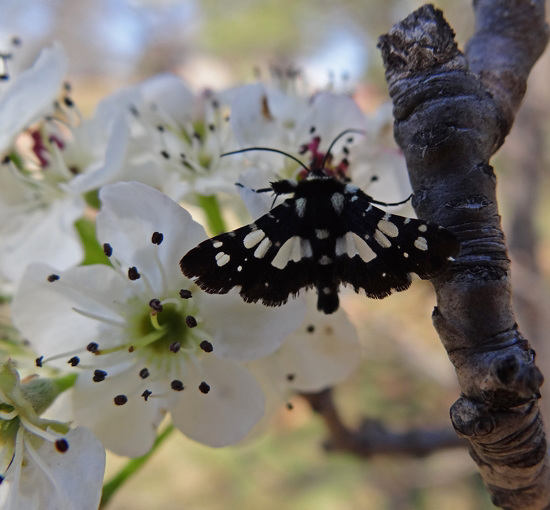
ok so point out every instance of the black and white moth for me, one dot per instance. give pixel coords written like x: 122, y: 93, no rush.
x: 328, y: 233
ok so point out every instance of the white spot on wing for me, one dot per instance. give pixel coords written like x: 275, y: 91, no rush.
x: 293, y: 249
x: 337, y: 201
x: 261, y: 250
x: 381, y: 239
x: 253, y: 238
x: 421, y: 243
x: 351, y: 244
x: 325, y: 261
x: 305, y: 247
x: 321, y: 233
x: 422, y: 228
x: 222, y: 258
x: 388, y: 228
x: 286, y: 252
x: 217, y: 244
x: 300, y: 207
x: 350, y: 188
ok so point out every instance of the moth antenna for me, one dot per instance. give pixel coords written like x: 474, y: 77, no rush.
x: 343, y: 133
x: 377, y: 202
x: 261, y: 190
x: 268, y: 149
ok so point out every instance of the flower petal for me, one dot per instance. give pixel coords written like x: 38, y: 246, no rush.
x: 128, y: 429
x: 246, y: 331
x: 226, y: 413
x: 41, y: 235
x: 131, y: 212
x: 324, y: 351
x: 39, y: 303
x: 51, y: 480
x: 31, y: 94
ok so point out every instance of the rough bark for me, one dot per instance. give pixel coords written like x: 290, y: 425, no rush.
x: 452, y: 112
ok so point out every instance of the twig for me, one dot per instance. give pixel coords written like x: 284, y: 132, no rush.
x: 372, y: 437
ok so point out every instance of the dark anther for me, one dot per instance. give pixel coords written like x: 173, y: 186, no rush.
x: 206, y: 346
x: 131, y: 348
x: 312, y: 130
x: 99, y: 375
x: 144, y: 373
x: 350, y: 140
x: 204, y: 387
x: 146, y: 394
x: 176, y: 385
x: 345, y: 150
x: 1, y: 479
x: 155, y: 305
x: 53, y: 277
x: 185, y: 294
x: 16, y: 41
x: 6, y: 160
x: 310, y: 328
x: 74, y: 361
x: 191, y: 321
x: 290, y: 377
x: 107, y: 249
x: 92, y: 347
x: 197, y: 136
x: 38, y: 361
x: 374, y: 178
x: 160, y: 128
x: 165, y: 154
x: 67, y: 86
x: 215, y: 104
x: 211, y: 127
x: 134, y: 111
x: 62, y: 445
x: 157, y: 238
x: 175, y: 346
x: 289, y: 406
x: 133, y: 273
x: 120, y: 400
x: 68, y: 102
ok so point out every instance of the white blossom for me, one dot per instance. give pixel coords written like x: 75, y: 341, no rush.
x: 147, y: 340
x: 45, y: 465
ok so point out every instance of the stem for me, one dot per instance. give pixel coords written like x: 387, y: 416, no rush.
x: 214, y: 218
x: 132, y: 467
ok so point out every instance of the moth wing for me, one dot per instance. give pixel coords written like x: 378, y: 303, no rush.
x: 266, y: 259
x: 382, y: 253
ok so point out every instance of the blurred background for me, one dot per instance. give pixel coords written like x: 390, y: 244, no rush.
x: 405, y: 379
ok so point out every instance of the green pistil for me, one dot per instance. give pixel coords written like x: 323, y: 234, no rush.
x: 158, y: 330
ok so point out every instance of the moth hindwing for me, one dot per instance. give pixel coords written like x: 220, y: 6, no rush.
x: 329, y: 233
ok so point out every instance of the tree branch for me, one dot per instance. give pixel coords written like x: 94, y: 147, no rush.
x: 451, y: 114
x: 372, y: 437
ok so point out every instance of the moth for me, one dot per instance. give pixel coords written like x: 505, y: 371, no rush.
x: 327, y: 233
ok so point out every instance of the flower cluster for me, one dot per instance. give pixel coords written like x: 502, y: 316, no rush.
x: 112, y: 310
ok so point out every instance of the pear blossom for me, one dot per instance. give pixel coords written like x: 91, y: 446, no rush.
x: 28, y: 95
x: 46, y: 177
x: 176, y: 138
x: 322, y: 352
x: 147, y: 341
x: 45, y: 465
x: 263, y: 117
